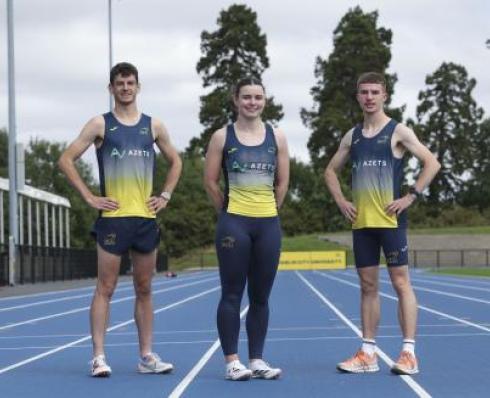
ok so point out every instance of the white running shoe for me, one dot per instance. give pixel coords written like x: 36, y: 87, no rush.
x: 262, y: 370
x: 236, y: 371
x: 99, y: 367
x: 152, y: 363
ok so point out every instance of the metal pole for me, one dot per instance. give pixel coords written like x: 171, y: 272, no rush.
x: 60, y: 223
x: 110, y: 47
x: 67, y: 221
x: 38, y: 224
x: 13, y: 225
x: 46, y: 225
x: 2, y: 226
x: 29, y: 222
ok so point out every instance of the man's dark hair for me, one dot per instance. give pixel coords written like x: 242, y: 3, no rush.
x: 124, y: 69
x: 372, y: 77
x: 247, y: 81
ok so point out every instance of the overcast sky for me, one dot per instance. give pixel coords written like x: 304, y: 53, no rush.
x: 61, y: 56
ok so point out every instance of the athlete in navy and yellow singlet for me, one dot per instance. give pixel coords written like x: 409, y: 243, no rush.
x: 124, y: 139
x: 377, y: 176
x: 126, y: 166
x: 376, y: 148
x: 254, y: 161
x: 249, y: 173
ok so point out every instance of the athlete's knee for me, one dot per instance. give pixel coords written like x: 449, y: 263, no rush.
x: 369, y: 287
x: 142, y: 289
x: 105, y: 288
x: 402, y: 285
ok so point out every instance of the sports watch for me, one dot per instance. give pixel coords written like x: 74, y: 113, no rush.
x: 166, y: 195
x: 413, y: 191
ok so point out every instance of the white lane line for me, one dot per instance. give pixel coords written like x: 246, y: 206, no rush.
x: 459, y: 286
x: 432, y: 311
x: 269, y: 340
x: 439, y: 292
x: 416, y: 387
x: 179, y: 390
x: 207, y: 331
x: 59, y: 314
x: 56, y: 300
x: 76, y: 289
x: 119, y: 325
x: 474, y: 280
x: 456, y: 285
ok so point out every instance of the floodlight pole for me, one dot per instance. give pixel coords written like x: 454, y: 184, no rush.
x: 110, y: 47
x: 13, y: 211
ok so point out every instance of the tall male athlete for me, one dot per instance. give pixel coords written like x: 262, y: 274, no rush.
x: 124, y: 142
x: 376, y: 148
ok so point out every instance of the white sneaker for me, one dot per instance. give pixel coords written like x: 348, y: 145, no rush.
x: 152, y: 363
x: 99, y: 367
x: 261, y: 370
x: 236, y: 371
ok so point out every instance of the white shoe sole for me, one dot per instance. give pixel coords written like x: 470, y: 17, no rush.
x: 102, y: 373
x: 272, y: 376
x: 243, y: 377
x: 167, y: 369
x: 402, y: 372
x: 366, y: 369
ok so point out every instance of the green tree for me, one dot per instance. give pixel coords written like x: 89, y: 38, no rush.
x: 188, y: 221
x: 308, y: 208
x: 235, y: 50
x: 478, y: 186
x: 447, y: 122
x: 359, y: 46
x: 42, y: 172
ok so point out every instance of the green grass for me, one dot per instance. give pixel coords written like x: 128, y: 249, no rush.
x: 206, y: 257
x: 482, y: 230
x: 485, y: 272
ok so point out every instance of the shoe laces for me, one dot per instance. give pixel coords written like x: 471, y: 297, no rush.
x: 98, y: 360
x: 151, y: 357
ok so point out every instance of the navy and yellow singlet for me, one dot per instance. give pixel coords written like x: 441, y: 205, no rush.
x: 126, y: 166
x: 249, y: 173
x: 377, y: 177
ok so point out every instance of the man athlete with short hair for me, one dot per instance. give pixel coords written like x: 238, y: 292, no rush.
x: 376, y: 149
x: 124, y: 140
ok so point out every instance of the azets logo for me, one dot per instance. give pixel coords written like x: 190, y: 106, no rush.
x: 139, y: 153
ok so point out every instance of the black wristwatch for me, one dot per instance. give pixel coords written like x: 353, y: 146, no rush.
x: 414, y: 192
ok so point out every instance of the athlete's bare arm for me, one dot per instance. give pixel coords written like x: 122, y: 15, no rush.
x: 162, y: 140
x: 92, y: 132
x: 212, y: 168
x: 332, y: 180
x: 405, y: 139
x: 281, y: 182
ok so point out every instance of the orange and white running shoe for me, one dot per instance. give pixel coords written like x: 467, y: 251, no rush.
x: 406, y: 364
x: 360, y: 363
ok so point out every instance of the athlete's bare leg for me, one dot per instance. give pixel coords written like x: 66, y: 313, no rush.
x: 143, y: 268
x: 107, y: 273
x: 407, y: 302
x: 369, y: 300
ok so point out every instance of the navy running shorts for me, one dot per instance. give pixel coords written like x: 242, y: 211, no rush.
x: 117, y: 235
x: 368, y: 243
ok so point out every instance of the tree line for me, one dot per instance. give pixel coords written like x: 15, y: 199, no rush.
x: 448, y: 120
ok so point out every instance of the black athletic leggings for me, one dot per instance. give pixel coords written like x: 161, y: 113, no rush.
x: 248, y: 249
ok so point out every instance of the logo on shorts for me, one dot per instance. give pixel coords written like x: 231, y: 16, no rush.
x: 110, y: 239
x: 228, y: 242
x: 392, y: 257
